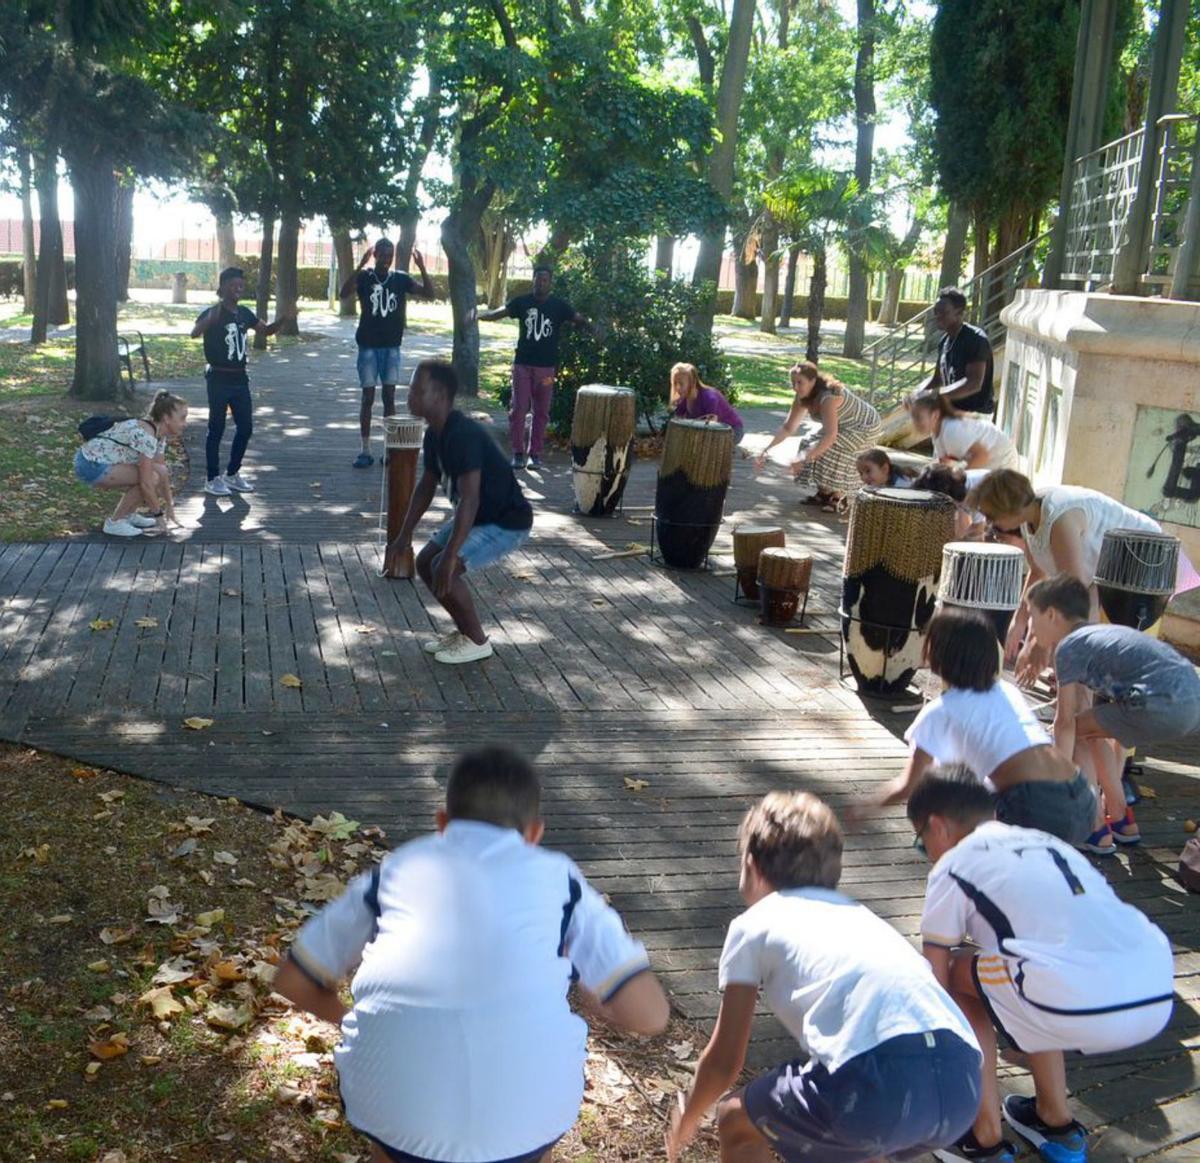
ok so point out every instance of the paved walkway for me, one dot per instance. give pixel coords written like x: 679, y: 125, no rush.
x: 606, y: 671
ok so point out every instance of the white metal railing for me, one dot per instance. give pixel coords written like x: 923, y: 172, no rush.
x: 1172, y: 179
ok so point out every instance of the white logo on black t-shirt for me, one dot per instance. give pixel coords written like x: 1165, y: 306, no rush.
x: 383, y: 301
x: 537, y: 325
x: 235, y: 343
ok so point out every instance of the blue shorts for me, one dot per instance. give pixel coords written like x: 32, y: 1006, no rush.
x: 91, y: 472
x: 398, y: 1156
x: 485, y: 544
x: 902, y: 1099
x: 378, y: 365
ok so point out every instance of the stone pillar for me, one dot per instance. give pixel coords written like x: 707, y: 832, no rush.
x: 179, y: 287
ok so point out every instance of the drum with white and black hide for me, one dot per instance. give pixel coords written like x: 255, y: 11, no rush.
x: 749, y: 541
x: 602, y: 447
x: 403, y: 440
x: 784, y: 574
x: 977, y: 575
x: 1135, y: 576
x: 889, y: 583
x: 689, y: 500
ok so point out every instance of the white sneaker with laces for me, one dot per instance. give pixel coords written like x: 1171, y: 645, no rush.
x: 238, y: 483
x: 217, y: 487
x: 464, y: 650
x: 122, y: 528
x: 445, y: 642
x: 142, y: 521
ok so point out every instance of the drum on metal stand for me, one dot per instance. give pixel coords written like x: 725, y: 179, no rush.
x: 1135, y: 576
x: 689, y: 500
x: 783, y: 575
x: 980, y: 576
x: 889, y: 583
x: 404, y: 437
x: 748, y: 543
x: 601, y: 447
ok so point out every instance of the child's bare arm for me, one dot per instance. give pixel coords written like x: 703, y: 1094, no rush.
x: 939, y: 961
x: 1066, y: 711
x: 303, y: 992
x: 639, y: 1006
x: 898, y: 791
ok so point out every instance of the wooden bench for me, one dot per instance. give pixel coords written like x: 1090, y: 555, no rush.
x: 129, y: 346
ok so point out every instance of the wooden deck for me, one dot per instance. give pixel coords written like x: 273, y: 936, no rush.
x: 605, y: 670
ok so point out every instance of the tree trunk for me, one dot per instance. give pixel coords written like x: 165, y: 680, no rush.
x: 858, y: 305
x: 664, y: 255
x: 28, y: 251
x: 50, y: 306
x: 789, y: 286
x: 406, y: 240
x: 958, y: 223
x: 721, y: 160
x: 125, y: 190
x: 287, y: 278
x: 97, y: 371
x: 459, y: 227
x: 745, y: 285
x: 889, y: 306
x: 495, y: 243
x: 430, y: 122
x: 816, y: 305
x: 262, y: 301
x: 343, y: 247
x: 770, y: 299
x: 226, y: 241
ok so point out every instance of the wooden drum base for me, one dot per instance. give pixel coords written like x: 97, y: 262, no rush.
x: 400, y: 566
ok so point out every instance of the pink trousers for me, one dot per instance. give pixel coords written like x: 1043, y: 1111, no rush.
x: 530, y: 385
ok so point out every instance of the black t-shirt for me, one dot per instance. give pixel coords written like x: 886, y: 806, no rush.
x: 225, y: 344
x: 464, y: 445
x: 970, y: 345
x: 382, y: 308
x: 541, y: 324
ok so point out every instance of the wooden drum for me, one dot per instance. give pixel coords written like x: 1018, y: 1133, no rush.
x: 748, y: 543
x: 783, y: 575
x: 692, y: 482
x: 889, y: 582
x: 1135, y: 576
x: 602, y: 447
x: 984, y: 577
x: 404, y: 437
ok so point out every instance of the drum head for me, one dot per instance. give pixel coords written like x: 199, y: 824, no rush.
x: 603, y: 390
x: 981, y: 549
x: 919, y: 497
x: 709, y: 425
x: 756, y: 530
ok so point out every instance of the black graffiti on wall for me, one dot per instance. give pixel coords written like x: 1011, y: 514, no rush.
x: 1178, y: 442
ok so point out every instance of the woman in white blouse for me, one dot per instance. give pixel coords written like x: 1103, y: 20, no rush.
x: 973, y: 440
x: 131, y: 456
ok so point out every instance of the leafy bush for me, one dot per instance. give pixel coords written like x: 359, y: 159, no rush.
x: 641, y: 330
x: 11, y: 282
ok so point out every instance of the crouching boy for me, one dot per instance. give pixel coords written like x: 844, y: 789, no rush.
x: 1057, y: 961
x: 892, y: 1067
x: 460, y: 1044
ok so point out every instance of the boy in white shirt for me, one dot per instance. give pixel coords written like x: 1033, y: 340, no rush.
x: 460, y: 1045
x: 892, y: 1068
x: 1056, y: 961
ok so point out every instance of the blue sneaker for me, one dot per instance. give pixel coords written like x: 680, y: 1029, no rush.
x: 364, y: 460
x: 1054, y: 1144
x: 968, y: 1150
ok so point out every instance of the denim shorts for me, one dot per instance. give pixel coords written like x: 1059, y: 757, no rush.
x: 378, y: 365
x: 91, y: 472
x: 1064, y: 808
x: 902, y: 1099
x: 1155, y: 719
x: 485, y: 544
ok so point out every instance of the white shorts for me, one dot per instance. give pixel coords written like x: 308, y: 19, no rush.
x: 1032, y: 1027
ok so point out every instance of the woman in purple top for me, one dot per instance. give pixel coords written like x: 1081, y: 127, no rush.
x: 697, y: 401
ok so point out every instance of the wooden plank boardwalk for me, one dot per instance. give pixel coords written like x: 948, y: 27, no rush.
x: 605, y: 669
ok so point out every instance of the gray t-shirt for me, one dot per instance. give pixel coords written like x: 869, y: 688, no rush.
x: 1124, y: 665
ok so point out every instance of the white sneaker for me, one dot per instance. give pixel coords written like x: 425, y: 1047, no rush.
x: 217, y: 488
x: 238, y: 483
x: 464, y: 650
x: 445, y: 642
x: 142, y: 521
x: 122, y: 528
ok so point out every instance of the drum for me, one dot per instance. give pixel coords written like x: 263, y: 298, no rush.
x: 984, y: 577
x: 601, y: 447
x: 748, y: 543
x: 889, y: 583
x: 403, y: 440
x: 1135, y: 576
x: 693, y: 479
x: 783, y: 575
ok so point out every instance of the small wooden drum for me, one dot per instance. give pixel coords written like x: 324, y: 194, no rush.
x: 1135, y: 576
x: 693, y: 479
x: 984, y: 577
x: 602, y: 447
x: 748, y: 543
x: 404, y: 436
x: 889, y: 583
x: 783, y: 575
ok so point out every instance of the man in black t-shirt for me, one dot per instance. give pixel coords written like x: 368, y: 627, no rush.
x: 542, y: 316
x: 225, y: 327
x: 382, y: 299
x: 964, y: 365
x: 491, y: 515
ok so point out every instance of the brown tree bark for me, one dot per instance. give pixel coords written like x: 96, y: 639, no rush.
x: 262, y: 300
x: 664, y: 255
x: 125, y: 190
x: 459, y: 227
x: 958, y: 223
x: 816, y: 305
x: 28, y: 249
x: 343, y: 248
x: 226, y: 241
x: 858, y: 305
x: 287, y: 277
x: 50, y: 306
x: 789, y: 286
x: 770, y: 298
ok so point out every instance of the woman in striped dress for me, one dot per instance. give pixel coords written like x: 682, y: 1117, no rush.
x: 848, y: 425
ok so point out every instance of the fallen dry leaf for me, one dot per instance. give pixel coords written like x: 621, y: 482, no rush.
x: 290, y: 680
x: 200, y: 824
x: 112, y: 1047
x: 110, y: 797
x: 186, y: 848
x: 102, y: 624
x: 61, y: 919
x: 39, y: 855
x: 161, y: 1002
x: 212, y: 917
x: 98, y: 966
x: 146, y: 623
x: 636, y: 784
x: 227, y: 1017
x: 92, y: 1071
x: 196, y: 723
x: 224, y: 858
x: 98, y: 1014
x: 84, y: 772
x: 111, y: 936
x: 57, y: 1104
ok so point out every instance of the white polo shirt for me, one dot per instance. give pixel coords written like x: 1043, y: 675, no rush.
x: 839, y: 979
x: 461, y: 1045
x: 1073, y: 946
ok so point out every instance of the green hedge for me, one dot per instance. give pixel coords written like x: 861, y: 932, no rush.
x: 12, y: 279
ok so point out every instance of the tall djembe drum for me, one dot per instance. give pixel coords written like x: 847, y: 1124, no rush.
x: 404, y: 436
x: 689, y: 500
x: 977, y: 575
x: 1135, y: 576
x: 602, y: 447
x: 889, y: 583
